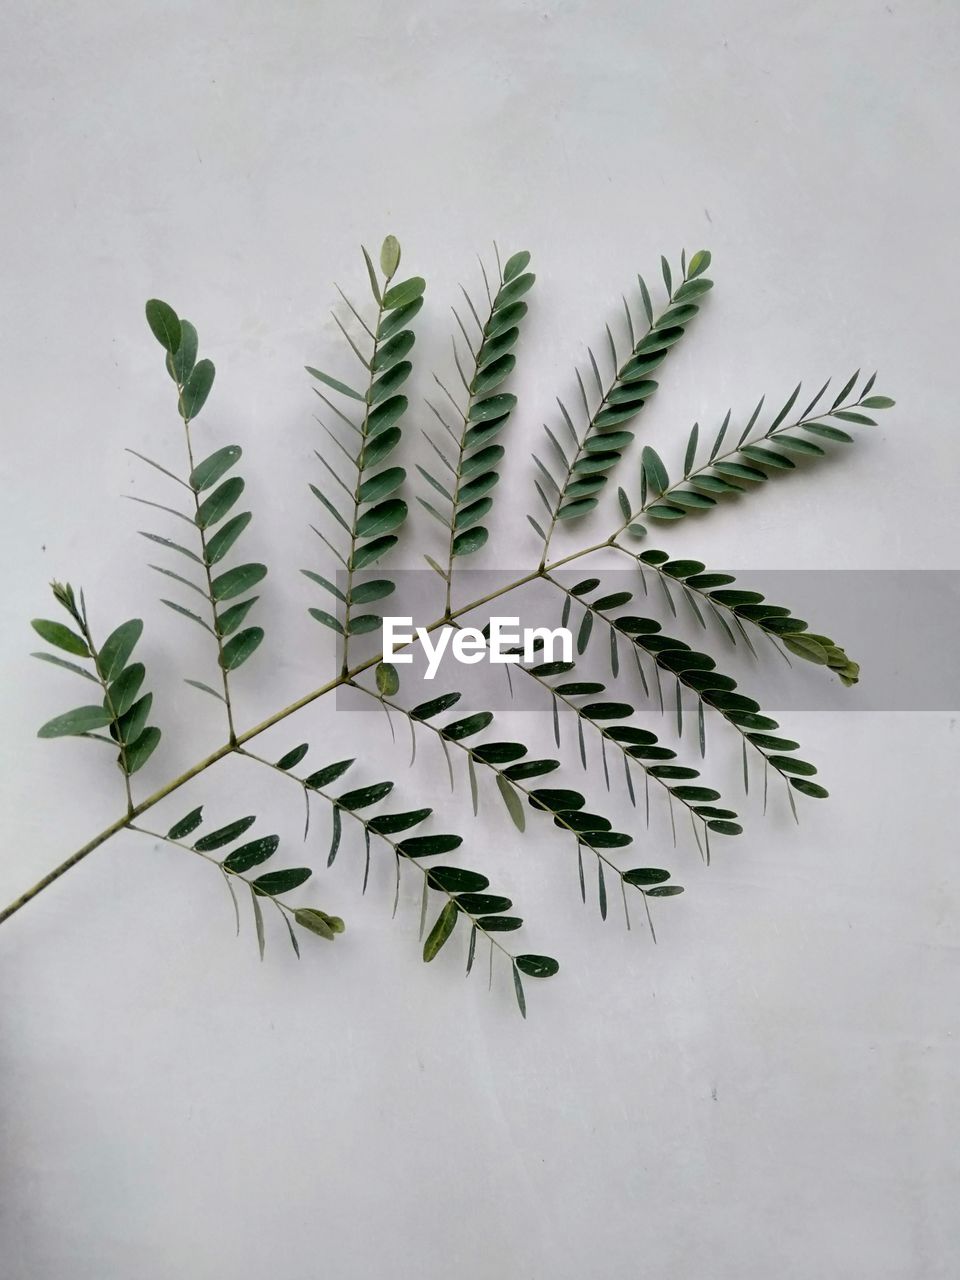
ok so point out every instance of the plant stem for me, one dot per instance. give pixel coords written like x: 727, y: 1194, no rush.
x: 109, y: 704
x: 518, y: 786
x: 394, y: 845
x: 722, y: 457
x: 356, y: 492
x: 581, y: 443
x: 178, y: 844
x: 240, y: 739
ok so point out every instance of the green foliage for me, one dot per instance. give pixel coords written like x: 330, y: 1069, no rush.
x: 468, y: 459
x: 360, y: 493
x: 365, y: 507
x: 575, y: 475
x: 123, y: 711
x: 194, y: 380
x: 752, y: 461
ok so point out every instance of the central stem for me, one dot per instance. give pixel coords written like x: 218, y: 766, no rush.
x: 241, y: 739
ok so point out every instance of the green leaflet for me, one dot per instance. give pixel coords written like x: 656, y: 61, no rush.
x: 71, y: 723
x: 116, y: 649
x: 226, y: 536
x: 240, y: 647
x: 164, y: 324
x: 180, y: 364
x: 186, y: 824
x: 277, y: 882
x: 441, y: 931
x: 224, y: 835
x: 363, y: 797
x: 468, y: 469
x: 61, y: 636
x: 390, y: 823
x: 212, y: 468
x: 123, y: 692
x: 428, y: 846
x: 457, y: 880
x: 401, y: 295
x: 598, y: 448
x: 329, y: 773
x: 235, y: 581
x: 196, y: 389
x: 292, y: 758
x: 140, y: 750
x: 319, y: 922
x: 219, y: 503
x: 537, y: 966
x: 251, y: 854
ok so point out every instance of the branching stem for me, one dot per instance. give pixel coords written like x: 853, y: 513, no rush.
x: 394, y: 844
x: 240, y: 739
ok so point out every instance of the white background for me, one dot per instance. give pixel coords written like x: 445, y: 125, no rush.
x: 772, y: 1090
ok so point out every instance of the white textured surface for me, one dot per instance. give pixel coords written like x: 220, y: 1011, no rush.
x: 770, y: 1092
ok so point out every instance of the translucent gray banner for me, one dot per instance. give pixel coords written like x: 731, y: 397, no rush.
x: 900, y: 626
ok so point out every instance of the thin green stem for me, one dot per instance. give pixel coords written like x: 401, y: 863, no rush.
x: 229, y: 747
x: 620, y: 746
x: 179, y: 844
x: 518, y: 786
x: 744, y: 733
x: 582, y: 440
x: 722, y: 457
x: 110, y: 706
x: 394, y: 845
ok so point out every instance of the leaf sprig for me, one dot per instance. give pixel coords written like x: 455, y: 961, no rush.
x: 241, y: 858
x: 212, y: 498
x: 124, y: 709
x: 373, y: 512
x: 734, y: 608
x: 365, y: 505
x: 512, y: 770
x: 697, y: 672
x: 469, y: 479
x: 752, y: 460
x: 463, y: 889
x: 599, y: 446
